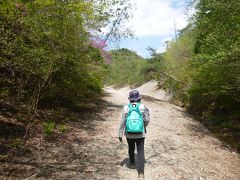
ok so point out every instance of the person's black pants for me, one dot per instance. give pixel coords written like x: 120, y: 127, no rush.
x: 140, y: 152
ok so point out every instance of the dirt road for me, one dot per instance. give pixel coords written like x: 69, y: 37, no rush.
x: 176, y: 146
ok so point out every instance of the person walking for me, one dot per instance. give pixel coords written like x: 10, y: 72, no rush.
x: 135, y: 118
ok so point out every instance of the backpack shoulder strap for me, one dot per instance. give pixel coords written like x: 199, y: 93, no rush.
x: 138, y: 105
x: 138, y: 108
x: 133, y: 107
x: 130, y: 108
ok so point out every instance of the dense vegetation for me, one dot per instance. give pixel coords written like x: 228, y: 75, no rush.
x: 205, y: 64
x: 126, y: 68
x: 52, y: 52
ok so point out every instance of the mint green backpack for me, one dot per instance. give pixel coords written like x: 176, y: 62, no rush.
x: 134, y: 122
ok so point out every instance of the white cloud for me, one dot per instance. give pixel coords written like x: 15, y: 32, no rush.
x: 156, y: 17
x: 162, y: 48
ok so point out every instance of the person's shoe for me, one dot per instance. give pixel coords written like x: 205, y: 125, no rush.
x: 132, y: 165
x: 132, y: 162
x: 140, y: 175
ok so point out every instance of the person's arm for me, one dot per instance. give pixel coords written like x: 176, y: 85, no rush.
x: 122, y: 123
x: 145, y: 114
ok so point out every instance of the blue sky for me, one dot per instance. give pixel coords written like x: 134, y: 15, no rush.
x: 153, y: 24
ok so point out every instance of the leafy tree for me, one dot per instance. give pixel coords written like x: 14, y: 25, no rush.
x: 173, y: 68
x: 215, y: 91
x: 205, y: 59
x: 47, y: 50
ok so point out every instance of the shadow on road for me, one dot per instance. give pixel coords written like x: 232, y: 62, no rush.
x: 229, y: 139
x: 61, y: 152
x: 126, y: 162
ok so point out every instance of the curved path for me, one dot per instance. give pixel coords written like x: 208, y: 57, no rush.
x: 177, y: 147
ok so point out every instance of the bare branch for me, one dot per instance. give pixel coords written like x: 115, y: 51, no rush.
x: 165, y: 74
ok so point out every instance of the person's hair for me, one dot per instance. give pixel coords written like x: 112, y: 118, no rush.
x: 133, y: 101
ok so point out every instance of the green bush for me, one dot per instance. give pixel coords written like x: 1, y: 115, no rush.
x: 48, y: 127
x: 62, y: 128
x: 47, y: 55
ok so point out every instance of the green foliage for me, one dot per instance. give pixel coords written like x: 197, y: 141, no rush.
x: 16, y: 143
x: 217, y: 24
x: 47, y: 54
x: 216, y: 86
x: 227, y: 125
x: 203, y: 65
x: 174, y: 67
x: 48, y: 127
x: 126, y: 68
x: 155, y: 65
x: 62, y: 128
